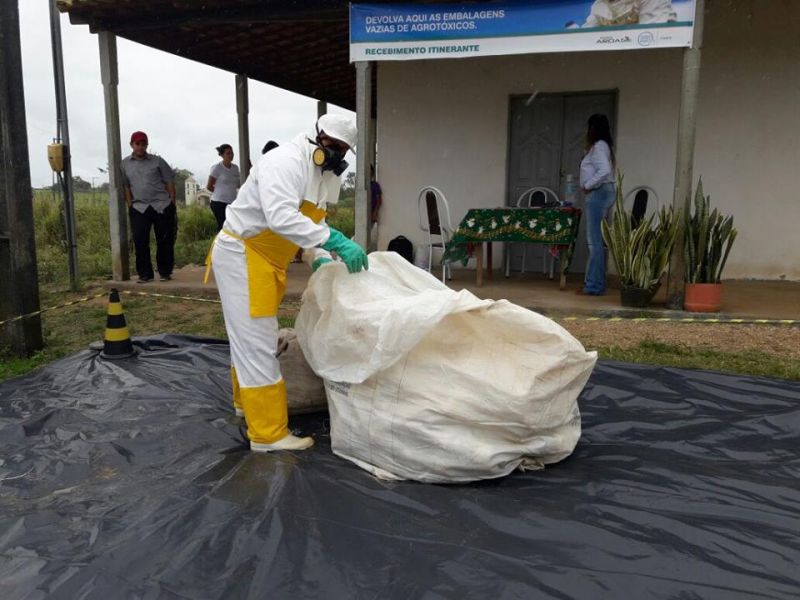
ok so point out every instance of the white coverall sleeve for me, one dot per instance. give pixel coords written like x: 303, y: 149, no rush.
x: 656, y: 11
x: 281, y: 187
x: 312, y: 254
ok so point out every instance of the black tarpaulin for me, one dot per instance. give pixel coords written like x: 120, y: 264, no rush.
x: 131, y: 479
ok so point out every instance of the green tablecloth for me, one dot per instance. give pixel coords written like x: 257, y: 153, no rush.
x: 551, y: 226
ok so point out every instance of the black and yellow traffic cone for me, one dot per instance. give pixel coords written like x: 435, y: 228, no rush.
x: 117, y: 340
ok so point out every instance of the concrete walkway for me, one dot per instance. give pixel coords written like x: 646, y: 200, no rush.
x: 741, y: 298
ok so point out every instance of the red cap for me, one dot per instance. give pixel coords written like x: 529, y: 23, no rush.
x: 138, y: 136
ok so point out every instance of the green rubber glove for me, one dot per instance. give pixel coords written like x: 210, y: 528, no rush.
x: 351, y: 253
x: 318, y: 263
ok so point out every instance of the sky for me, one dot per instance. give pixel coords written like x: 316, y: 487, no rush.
x: 186, y: 108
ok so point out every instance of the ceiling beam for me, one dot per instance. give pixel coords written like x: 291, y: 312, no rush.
x: 170, y: 18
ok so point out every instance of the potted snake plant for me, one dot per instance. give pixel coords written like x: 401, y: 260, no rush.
x: 709, y: 237
x: 641, y: 253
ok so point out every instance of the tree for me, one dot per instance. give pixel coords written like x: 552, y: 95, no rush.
x: 79, y: 185
x: 349, y: 182
x: 347, y: 193
x: 181, y: 175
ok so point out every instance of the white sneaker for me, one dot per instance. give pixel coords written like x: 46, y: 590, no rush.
x: 290, y: 442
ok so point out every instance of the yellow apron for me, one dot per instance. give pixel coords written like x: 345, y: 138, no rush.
x: 267, y: 255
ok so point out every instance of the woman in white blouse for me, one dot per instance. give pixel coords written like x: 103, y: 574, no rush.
x: 597, y: 182
x: 223, y: 183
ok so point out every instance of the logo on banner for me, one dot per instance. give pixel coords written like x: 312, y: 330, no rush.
x: 610, y: 39
x: 646, y: 38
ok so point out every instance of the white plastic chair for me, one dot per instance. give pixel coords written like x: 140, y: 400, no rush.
x: 641, y: 201
x: 538, y: 196
x: 434, y: 219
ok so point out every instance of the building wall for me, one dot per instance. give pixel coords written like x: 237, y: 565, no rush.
x: 748, y: 134
x: 445, y: 123
x: 191, y: 188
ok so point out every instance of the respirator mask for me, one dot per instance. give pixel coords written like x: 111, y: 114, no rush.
x: 328, y: 158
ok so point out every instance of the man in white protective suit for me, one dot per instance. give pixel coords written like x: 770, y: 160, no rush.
x: 280, y: 208
x: 615, y: 13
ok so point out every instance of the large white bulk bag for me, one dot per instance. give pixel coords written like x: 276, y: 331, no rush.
x: 435, y: 385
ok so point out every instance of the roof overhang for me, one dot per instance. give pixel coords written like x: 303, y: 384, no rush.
x: 301, y: 46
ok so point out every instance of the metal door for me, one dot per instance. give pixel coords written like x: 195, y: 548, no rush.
x: 547, y: 137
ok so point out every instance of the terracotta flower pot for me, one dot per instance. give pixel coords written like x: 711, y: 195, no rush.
x: 702, y: 297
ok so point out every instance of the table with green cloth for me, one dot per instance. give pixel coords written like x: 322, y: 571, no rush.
x: 557, y: 227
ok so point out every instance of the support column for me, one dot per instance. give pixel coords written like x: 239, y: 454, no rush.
x: 322, y: 108
x: 684, y: 160
x: 373, y: 161
x: 18, y: 272
x: 117, y: 207
x: 364, y: 151
x: 63, y: 137
x: 373, y: 141
x: 243, y: 110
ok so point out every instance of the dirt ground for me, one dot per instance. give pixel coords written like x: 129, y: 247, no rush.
x: 771, y: 339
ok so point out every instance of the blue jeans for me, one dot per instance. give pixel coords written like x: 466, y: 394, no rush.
x: 598, y: 207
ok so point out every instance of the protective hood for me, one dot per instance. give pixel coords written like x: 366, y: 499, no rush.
x: 340, y: 127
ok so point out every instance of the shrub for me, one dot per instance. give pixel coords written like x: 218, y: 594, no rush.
x: 342, y: 216
x: 196, y: 229
x: 641, y: 253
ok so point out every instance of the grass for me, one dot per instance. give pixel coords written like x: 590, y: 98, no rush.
x: 750, y: 362
x: 71, y: 329
x: 68, y: 330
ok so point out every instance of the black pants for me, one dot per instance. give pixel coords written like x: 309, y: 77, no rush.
x: 218, y: 208
x: 165, y: 225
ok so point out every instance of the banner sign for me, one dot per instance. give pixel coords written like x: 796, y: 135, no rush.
x: 425, y: 31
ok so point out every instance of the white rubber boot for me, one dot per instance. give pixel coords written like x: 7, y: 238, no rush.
x: 290, y: 442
